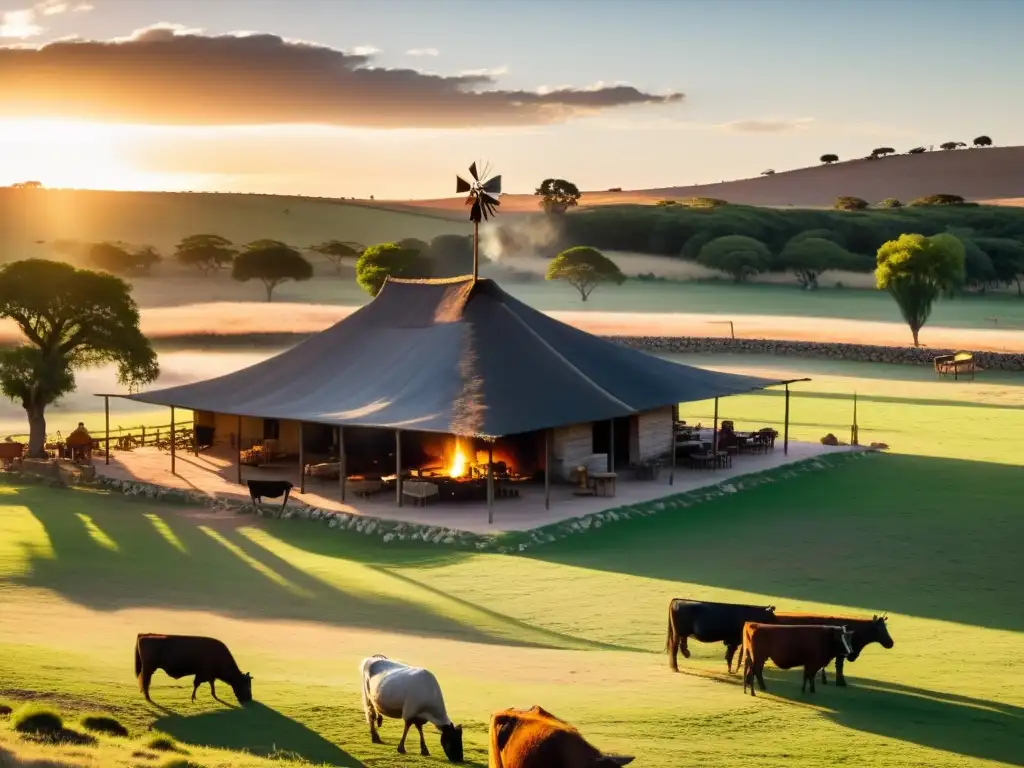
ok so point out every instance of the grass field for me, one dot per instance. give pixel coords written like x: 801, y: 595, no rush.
x: 931, y: 538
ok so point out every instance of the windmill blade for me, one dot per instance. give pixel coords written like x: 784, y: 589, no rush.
x: 493, y: 186
x: 461, y: 185
x: 472, y: 172
x: 476, y: 212
x: 490, y: 200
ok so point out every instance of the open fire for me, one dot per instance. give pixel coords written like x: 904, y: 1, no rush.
x: 458, y: 466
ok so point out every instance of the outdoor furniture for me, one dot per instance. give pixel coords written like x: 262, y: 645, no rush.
x: 203, y: 437
x: 603, y: 483
x: 11, y: 453
x: 768, y: 436
x: 419, y: 491
x: 960, y: 364
x: 703, y: 460
x: 363, y: 488
x: 648, y: 469
x: 330, y: 469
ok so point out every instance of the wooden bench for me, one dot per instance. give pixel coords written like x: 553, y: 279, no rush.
x: 958, y: 365
x: 419, y: 491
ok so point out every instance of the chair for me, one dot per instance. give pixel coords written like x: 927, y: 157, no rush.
x: 768, y: 437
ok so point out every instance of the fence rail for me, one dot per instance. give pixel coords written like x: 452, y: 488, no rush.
x: 126, y: 438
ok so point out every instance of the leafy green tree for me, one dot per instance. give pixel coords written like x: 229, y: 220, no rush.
x: 948, y: 145
x: 338, y: 251
x: 584, y: 268
x: 450, y: 255
x: 71, y: 319
x: 384, y: 260
x: 1007, y: 257
x: 808, y: 257
x: 118, y: 260
x: 557, y: 195
x: 207, y: 253
x: 882, y: 151
x: 983, y: 141
x: 850, y: 204
x: 736, y: 255
x: 940, y: 199
x: 890, y: 202
x: 828, y: 159
x: 271, y: 262
x: 916, y: 270
x: 916, y: 151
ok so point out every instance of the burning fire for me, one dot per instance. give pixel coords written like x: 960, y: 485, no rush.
x: 459, y: 465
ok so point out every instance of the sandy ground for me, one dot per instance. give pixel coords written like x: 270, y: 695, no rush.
x: 240, y: 319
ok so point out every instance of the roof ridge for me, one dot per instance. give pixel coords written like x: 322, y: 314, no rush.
x: 430, y: 280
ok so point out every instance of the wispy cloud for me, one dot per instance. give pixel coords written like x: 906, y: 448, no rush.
x: 423, y: 52
x: 772, y: 125
x: 263, y: 79
x: 485, y: 72
x: 23, y: 23
x: 365, y: 50
x: 83, y: 7
x: 52, y: 8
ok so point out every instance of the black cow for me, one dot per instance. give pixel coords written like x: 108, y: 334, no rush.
x: 272, y: 489
x: 183, y: 655
x: 710, y: 623
x: 865, y: 632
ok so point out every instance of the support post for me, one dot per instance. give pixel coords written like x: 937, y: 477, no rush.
x: 854, y: 430
x: 106, y: 421
x: 785, y: 434
x: 302, y: 460
x: 714, y: 437
x: 672, y: 466
x: 238, y: 458
x: 476, y: 249
x: 398, y: 467
x: 342, y: 469
x: 611, y: 445
x: 547, y: 469
x: 490, y: 483
x: 173, y: 441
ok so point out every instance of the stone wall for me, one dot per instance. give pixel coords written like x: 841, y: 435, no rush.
x: 868, y: 353
x: 569, y: 446
x: 654, y: 433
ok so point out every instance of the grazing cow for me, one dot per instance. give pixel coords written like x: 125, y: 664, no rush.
x: 788, y: 646
x: 272, y: 489
x: 710, y: 623
x: 412, y: 694
x: 183, y: 655
x: 535, y: 738
x: 865, y: 632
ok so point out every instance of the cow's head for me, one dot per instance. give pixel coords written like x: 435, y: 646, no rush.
x: 243, y: 688
x: 609, y: 761
x: 880, y: 631
x: 451, y: 742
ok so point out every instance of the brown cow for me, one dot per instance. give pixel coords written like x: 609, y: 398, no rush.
x: 535, y: 738
x: 865, y: 632
x: 182, y: 655
x: 788, y: 646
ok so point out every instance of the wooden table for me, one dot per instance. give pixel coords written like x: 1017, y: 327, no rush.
x: 603, y: 483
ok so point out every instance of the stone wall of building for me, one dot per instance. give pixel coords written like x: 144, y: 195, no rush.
x: 654, y: 432
x: 569, y: 447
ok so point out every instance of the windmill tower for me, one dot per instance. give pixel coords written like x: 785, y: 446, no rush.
x: 483, y: 202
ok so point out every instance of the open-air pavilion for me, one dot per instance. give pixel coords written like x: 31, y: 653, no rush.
x: 451, y: 392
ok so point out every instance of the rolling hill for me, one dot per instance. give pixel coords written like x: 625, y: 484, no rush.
x: 990, y: 175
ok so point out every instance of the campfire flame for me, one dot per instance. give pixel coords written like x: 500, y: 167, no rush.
x: 459, y: 466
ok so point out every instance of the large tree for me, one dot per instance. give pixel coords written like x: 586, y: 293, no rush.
x: 829, y: 158
x: 71, y: 319
x: 207, y: 253
x: 338, y: 251
x: 983, y: 141
x: 557, y: 195
x: 272, y: 262
x: 916, y: 270
x: 121, y: 260
x: 736, y: 255
x: 1007, y: 257
x: 584, y: 269
x: 384, y: 260
x: 450, y: 255
x: 808, y: 257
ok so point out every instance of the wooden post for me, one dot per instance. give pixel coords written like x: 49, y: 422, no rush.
x: 143, y: 435
x: 173, y: 435
x: 302, y: 460
x: 342, y: 469
x: 239, y: 448
x: 490, y: 483
x: 611, y: 445
x: 398, y: 467
x: 854, y: 430
x: 672, y: 469
x: 714, y: 436
x: 547, y: 469
x: 106, y: 420
x: 785, y: 434
x: 476, y: 249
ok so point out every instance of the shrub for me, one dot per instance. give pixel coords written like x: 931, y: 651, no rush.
x: 940, y: 199
x: 917, y: 151
x: 180, y: 762
x: 5, y: 709
x: 37, y: 719
x: 736, y: 255
x: 850, y: 204
x: 705, y: 202
x: 666, y: 202
x: 161, y: 742
x: 890, y: 202
x: 103, y: 724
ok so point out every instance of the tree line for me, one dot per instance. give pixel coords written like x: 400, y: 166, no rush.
x: 947, y: 146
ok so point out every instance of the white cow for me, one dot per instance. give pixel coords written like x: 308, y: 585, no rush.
x: 412, y: 694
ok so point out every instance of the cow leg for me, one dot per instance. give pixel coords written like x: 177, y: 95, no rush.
x: 213, y: 691
x: 760, y: 676
x: 423, y: 743
x: 374, y: 720
x: 144, y: 680
x: 196, y: 682
x: 405, y: 732
x: 824, y: 679
x: 285, y: 502
x: 730, y: 652
x: 840, y: 678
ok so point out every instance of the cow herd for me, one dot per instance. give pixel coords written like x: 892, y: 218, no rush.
x: 535, y: 738
x: 790, y: 640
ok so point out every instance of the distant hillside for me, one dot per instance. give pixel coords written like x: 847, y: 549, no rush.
x: 33, y: 221
x: 976, y: 174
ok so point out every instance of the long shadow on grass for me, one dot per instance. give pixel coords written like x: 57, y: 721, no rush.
x: 111, y: 554
x: 935, y: 538
x: 258, y: 729
x: 971, y: 727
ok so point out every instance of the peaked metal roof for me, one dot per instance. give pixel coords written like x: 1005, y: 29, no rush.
x: 453, y: 356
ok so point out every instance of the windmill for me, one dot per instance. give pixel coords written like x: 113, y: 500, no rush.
x: 483, y: 202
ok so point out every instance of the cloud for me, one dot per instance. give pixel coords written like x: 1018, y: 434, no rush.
x: 423, y: 52
x: 19, y: 24
x: 170, y: 76
x: 83, y: 7
x: 485, y: 72
x: 51, y: 8
x: 767, y: 126
x: 365, y: 50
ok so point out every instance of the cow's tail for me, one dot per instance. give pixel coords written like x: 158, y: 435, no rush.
x: 138, y: 663
x: 494, y: 753
x: 675, y: 641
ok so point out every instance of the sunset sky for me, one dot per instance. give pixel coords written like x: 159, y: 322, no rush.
x: 393, y: 97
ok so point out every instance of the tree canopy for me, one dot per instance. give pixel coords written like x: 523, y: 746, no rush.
x: 808, y: 257
x: 916, y: 270
x: 557, y: 195
x: 271, y: 262
x: 207, y: 253
x: 848, y: 203
x: 71, y: 319
x: 585, y: 269
x: 450, y: 255
x: 983, y: 141
x: 1007, y: 256
x: 118, y: 260
x: 829, y: 158
x: 940, y: 199
x: 338, y: 251
x: 737, y: 255
x: 378, y: 262
x: 890, y: 202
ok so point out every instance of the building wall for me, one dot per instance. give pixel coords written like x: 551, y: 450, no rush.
x: 569, y: 446
x: 654, y: 432
x: 225, y: 429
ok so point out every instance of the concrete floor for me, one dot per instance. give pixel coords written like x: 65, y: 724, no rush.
x: 214, y: 472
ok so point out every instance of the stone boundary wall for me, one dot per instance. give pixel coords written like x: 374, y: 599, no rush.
x: 865, y: 353
x: 393, y: 530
